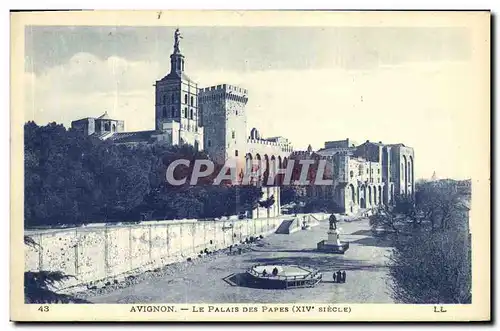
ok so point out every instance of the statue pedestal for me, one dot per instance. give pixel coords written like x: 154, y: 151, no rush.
x: 333, y: 244
x: 333, y: 237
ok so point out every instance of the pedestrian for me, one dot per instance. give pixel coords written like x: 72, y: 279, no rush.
x: 343, y: 276
x: 339, y: 277
x: 264, y: 273
x: 275, y: 271
x: 334, y: 277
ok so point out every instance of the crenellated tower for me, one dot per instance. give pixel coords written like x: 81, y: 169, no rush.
x: 225, y: 122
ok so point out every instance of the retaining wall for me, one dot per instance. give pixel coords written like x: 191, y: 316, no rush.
x: 99, y: 252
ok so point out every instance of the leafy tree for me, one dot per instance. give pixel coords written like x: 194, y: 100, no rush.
x: 288, y: 195
x: 321, y: 204
x: 71, y: 179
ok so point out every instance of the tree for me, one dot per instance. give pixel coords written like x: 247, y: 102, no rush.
x: 432, y: 268
x: 72, y: 179
x: 386, y: 219
x: 288, y: 195
x: 440, y: 203
x: 431, y: 263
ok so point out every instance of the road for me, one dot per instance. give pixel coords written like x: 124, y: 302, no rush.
x: 203, y: 282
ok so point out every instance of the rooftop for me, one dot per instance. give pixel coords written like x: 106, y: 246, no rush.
x: 137, y: 136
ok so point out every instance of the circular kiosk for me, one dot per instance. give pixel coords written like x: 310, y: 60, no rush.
x: 284, y: 276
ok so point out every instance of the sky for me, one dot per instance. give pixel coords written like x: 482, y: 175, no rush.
x: 309, y: 84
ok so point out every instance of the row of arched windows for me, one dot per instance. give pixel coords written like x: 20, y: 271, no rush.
x: 173, y: 99
x: 366, y: 194
x: 173, y: 113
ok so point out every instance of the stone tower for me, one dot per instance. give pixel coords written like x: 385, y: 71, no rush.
x: 224, y: 121
x: 177, y: 101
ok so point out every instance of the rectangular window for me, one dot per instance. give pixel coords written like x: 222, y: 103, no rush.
x: 236, y: 153
x: 233, y: 134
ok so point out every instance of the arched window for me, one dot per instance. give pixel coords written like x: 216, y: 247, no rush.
x: 113, y: 127
x: 233, y: 134
x: 164, y: 111
x: 106, y: 126
x: 409, y: 171
x: 191, y: 114
x: 185, y: 98
x: 351, y: 173
x: 236, y: 153
x: 192, y: 101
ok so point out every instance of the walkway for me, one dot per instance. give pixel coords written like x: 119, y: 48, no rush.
x: 203, y: 282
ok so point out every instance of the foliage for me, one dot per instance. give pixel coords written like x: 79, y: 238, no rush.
x: 386, y: 219
x: 288, y: 195
x: 431, y: 260
x: 268, y: 203
x: 72, y: 179
x: 320, y: 204
x: 432, y: 268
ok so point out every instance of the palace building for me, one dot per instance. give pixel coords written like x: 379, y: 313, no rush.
x: 214, y: 119
x: 364, y: 175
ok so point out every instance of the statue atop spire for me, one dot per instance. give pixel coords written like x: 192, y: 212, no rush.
x: 177, y: 36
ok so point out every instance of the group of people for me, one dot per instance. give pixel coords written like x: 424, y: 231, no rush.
x: 274, y: 272
x: 339, y: 277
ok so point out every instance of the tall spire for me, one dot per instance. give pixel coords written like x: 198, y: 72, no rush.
x: 434, y: 176
x: 177, y: 59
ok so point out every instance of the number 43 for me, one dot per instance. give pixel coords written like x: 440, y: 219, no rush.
x: 43, y: 309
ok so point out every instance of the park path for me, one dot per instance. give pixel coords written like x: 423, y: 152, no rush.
x: 203, y: 282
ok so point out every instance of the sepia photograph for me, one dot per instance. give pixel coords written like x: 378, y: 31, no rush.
x: 265, y: 165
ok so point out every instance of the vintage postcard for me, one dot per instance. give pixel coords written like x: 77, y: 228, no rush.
x: 250, y: 166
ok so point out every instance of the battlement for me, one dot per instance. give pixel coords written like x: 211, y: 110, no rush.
x: 223, y: 92
x: 227, y: 88
x: 306, y: 153
x: 285, y: 147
